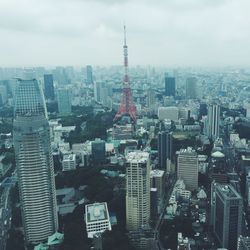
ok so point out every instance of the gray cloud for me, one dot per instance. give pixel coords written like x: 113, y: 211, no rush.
x: 162, y: 32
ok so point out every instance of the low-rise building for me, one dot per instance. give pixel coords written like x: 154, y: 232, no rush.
x: 69, y: 162
x: 97, y: 218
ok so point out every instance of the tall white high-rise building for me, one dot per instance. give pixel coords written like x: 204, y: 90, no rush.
x: 187, y: 168
x: 213, y: 121
x: 34, y: 162
x: 137, y: 190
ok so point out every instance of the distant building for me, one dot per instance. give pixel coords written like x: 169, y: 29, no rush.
x: 137, y: 190
x: 151, y: 99
x: 97, y: 219
x: 89, y: 75
x: 170, y: 113
x: 191, y: 88
x: 157, y: 180
x: 98, y: 151
x: 187, y: 168
x: 203, y: 109
x: 64, y: 101
x: 170, y: 86
x: 49, y: 91
x: 226, y: 207
x: 165, y: 145
x: 3, y: 95
x: 69, y: 162
x: 213, y: 121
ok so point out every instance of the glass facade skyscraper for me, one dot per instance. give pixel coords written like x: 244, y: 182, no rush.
x: 49, y: 87
x: 34, y: 162
x: 170, y: 86
x: 64, y: 101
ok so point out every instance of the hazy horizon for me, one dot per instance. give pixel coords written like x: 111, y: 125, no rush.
x: 176, y: 33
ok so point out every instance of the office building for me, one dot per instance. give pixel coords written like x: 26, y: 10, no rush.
x: 3, y: 95
x: 191, y: 88
x: 227, y: 220
x: 69, y: 162
x: 243, y: 243
x: 98, y: 151
x: 97, y: 219
x: 49, y: 91
x: 137, y: 190
x: 170, y: 86
x: 165, y: 149
x: 187, y: 168
x: 203, y: 109
x: 64, y: 101
x: 213, y: 121
x: 151, y: 99
x: 169, y: 113
x: 34, y: 162
x: 157, y: 180
x: 89, y: 75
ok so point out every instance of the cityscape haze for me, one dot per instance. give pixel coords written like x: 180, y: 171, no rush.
x: 124, y: 125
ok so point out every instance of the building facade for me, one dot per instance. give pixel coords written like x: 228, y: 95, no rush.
x: 49, y: 91
x: 227, y: 215
x: 165, y: 144
x: 34, y: 162
x: 97, y: 219
x: 213, y: 121
x: 191, y: 88
x: 89, y: 75
x: 98, y: 149
x: 170, y: 86
x: 64, y: 101
x: 187, y: 168
x: 137, y: 190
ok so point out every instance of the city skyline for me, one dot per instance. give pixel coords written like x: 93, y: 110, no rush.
x: 176, y: 33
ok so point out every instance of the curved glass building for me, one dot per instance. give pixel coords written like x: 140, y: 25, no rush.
x: 34, y: 162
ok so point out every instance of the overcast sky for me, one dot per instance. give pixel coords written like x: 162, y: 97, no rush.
x: 159, y: 32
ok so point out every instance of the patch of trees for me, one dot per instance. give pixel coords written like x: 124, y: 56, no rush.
x: 96, y: 127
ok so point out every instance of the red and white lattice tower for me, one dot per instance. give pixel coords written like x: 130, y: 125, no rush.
x: 127, y: 106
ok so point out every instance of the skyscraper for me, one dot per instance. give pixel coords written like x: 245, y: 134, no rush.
x: 34, y: 162
x: 165, y: 142
x: 169, y: 86
x: 191, y: 88
x: 213, y: 121
x: 64, y: 101
x: 187, y: 168
x: 98, y: 151
x: 49, y: 87
x: 137, y: 190
x: 227, y: 220
x: 89, y: 75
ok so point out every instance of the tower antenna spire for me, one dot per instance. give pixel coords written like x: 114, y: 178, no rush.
x: 127, y: 106
x: 125, y: 39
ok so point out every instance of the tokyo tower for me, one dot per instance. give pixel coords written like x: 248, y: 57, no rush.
x: 127, y: 106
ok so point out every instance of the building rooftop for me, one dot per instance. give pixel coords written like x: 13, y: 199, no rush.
x: 64, y: 191
x: 137, y: 157
x: 96, y: 212
x: 228, y: 191
x: 156, y: 173
x: 69, y: 157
